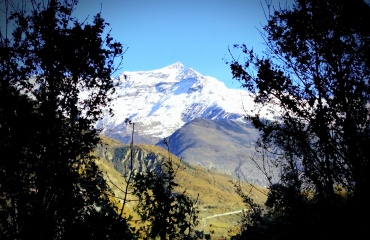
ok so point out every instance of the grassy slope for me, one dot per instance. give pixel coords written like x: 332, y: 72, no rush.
x: 216, y: 191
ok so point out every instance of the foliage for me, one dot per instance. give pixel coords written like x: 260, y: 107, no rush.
x: 170, y: 215
x: 316, y: 73
x: 55, y: 78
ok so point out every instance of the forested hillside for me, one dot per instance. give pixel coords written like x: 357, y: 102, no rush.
x: 214, y: 192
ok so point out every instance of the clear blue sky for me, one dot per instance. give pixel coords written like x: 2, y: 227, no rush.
x: 196, y: 33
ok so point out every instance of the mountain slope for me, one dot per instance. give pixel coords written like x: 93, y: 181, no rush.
x: 223, y: 145
x: 216, y: 190
x: 209, y: 183
x: 161, y: 101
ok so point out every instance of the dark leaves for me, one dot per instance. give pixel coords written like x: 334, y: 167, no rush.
x: 55, y: 188
x: 317, y: 73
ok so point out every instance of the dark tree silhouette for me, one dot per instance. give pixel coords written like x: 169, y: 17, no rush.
x: 316, y: 73
x: 166, y: 214
x: 55, y: 81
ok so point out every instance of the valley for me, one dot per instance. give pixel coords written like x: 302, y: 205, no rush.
x: 218, y: 203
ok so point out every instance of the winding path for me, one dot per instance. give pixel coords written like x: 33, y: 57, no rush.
x: 220, y: 215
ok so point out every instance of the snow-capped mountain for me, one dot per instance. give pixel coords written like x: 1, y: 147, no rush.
x: 161, y: 101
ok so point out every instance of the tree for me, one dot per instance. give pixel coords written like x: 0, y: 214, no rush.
x: 316, y: 72
x: 55, y: 75
x: 165, y: 213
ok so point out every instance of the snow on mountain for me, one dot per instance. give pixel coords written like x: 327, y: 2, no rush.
x: 161, y: 101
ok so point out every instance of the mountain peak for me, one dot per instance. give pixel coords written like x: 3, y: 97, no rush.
x: 176, y: 65
x: 162, y: 100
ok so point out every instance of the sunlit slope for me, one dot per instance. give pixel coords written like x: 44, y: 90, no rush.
x: 216, y: 190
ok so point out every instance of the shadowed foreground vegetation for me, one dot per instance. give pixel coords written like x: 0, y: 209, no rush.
x: 55, y: 84
x: 316, y: 72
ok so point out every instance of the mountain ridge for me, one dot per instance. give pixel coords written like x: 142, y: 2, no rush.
x: 168, y: 103
x: 163, y: 100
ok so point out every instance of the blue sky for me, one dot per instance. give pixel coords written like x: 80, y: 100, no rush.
x: 196, y: 33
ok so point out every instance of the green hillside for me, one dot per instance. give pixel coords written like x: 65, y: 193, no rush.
x: 216, y: 190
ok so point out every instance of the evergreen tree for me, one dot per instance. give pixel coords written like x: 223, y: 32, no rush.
x: 55, y: 83
x: 316, y: 73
